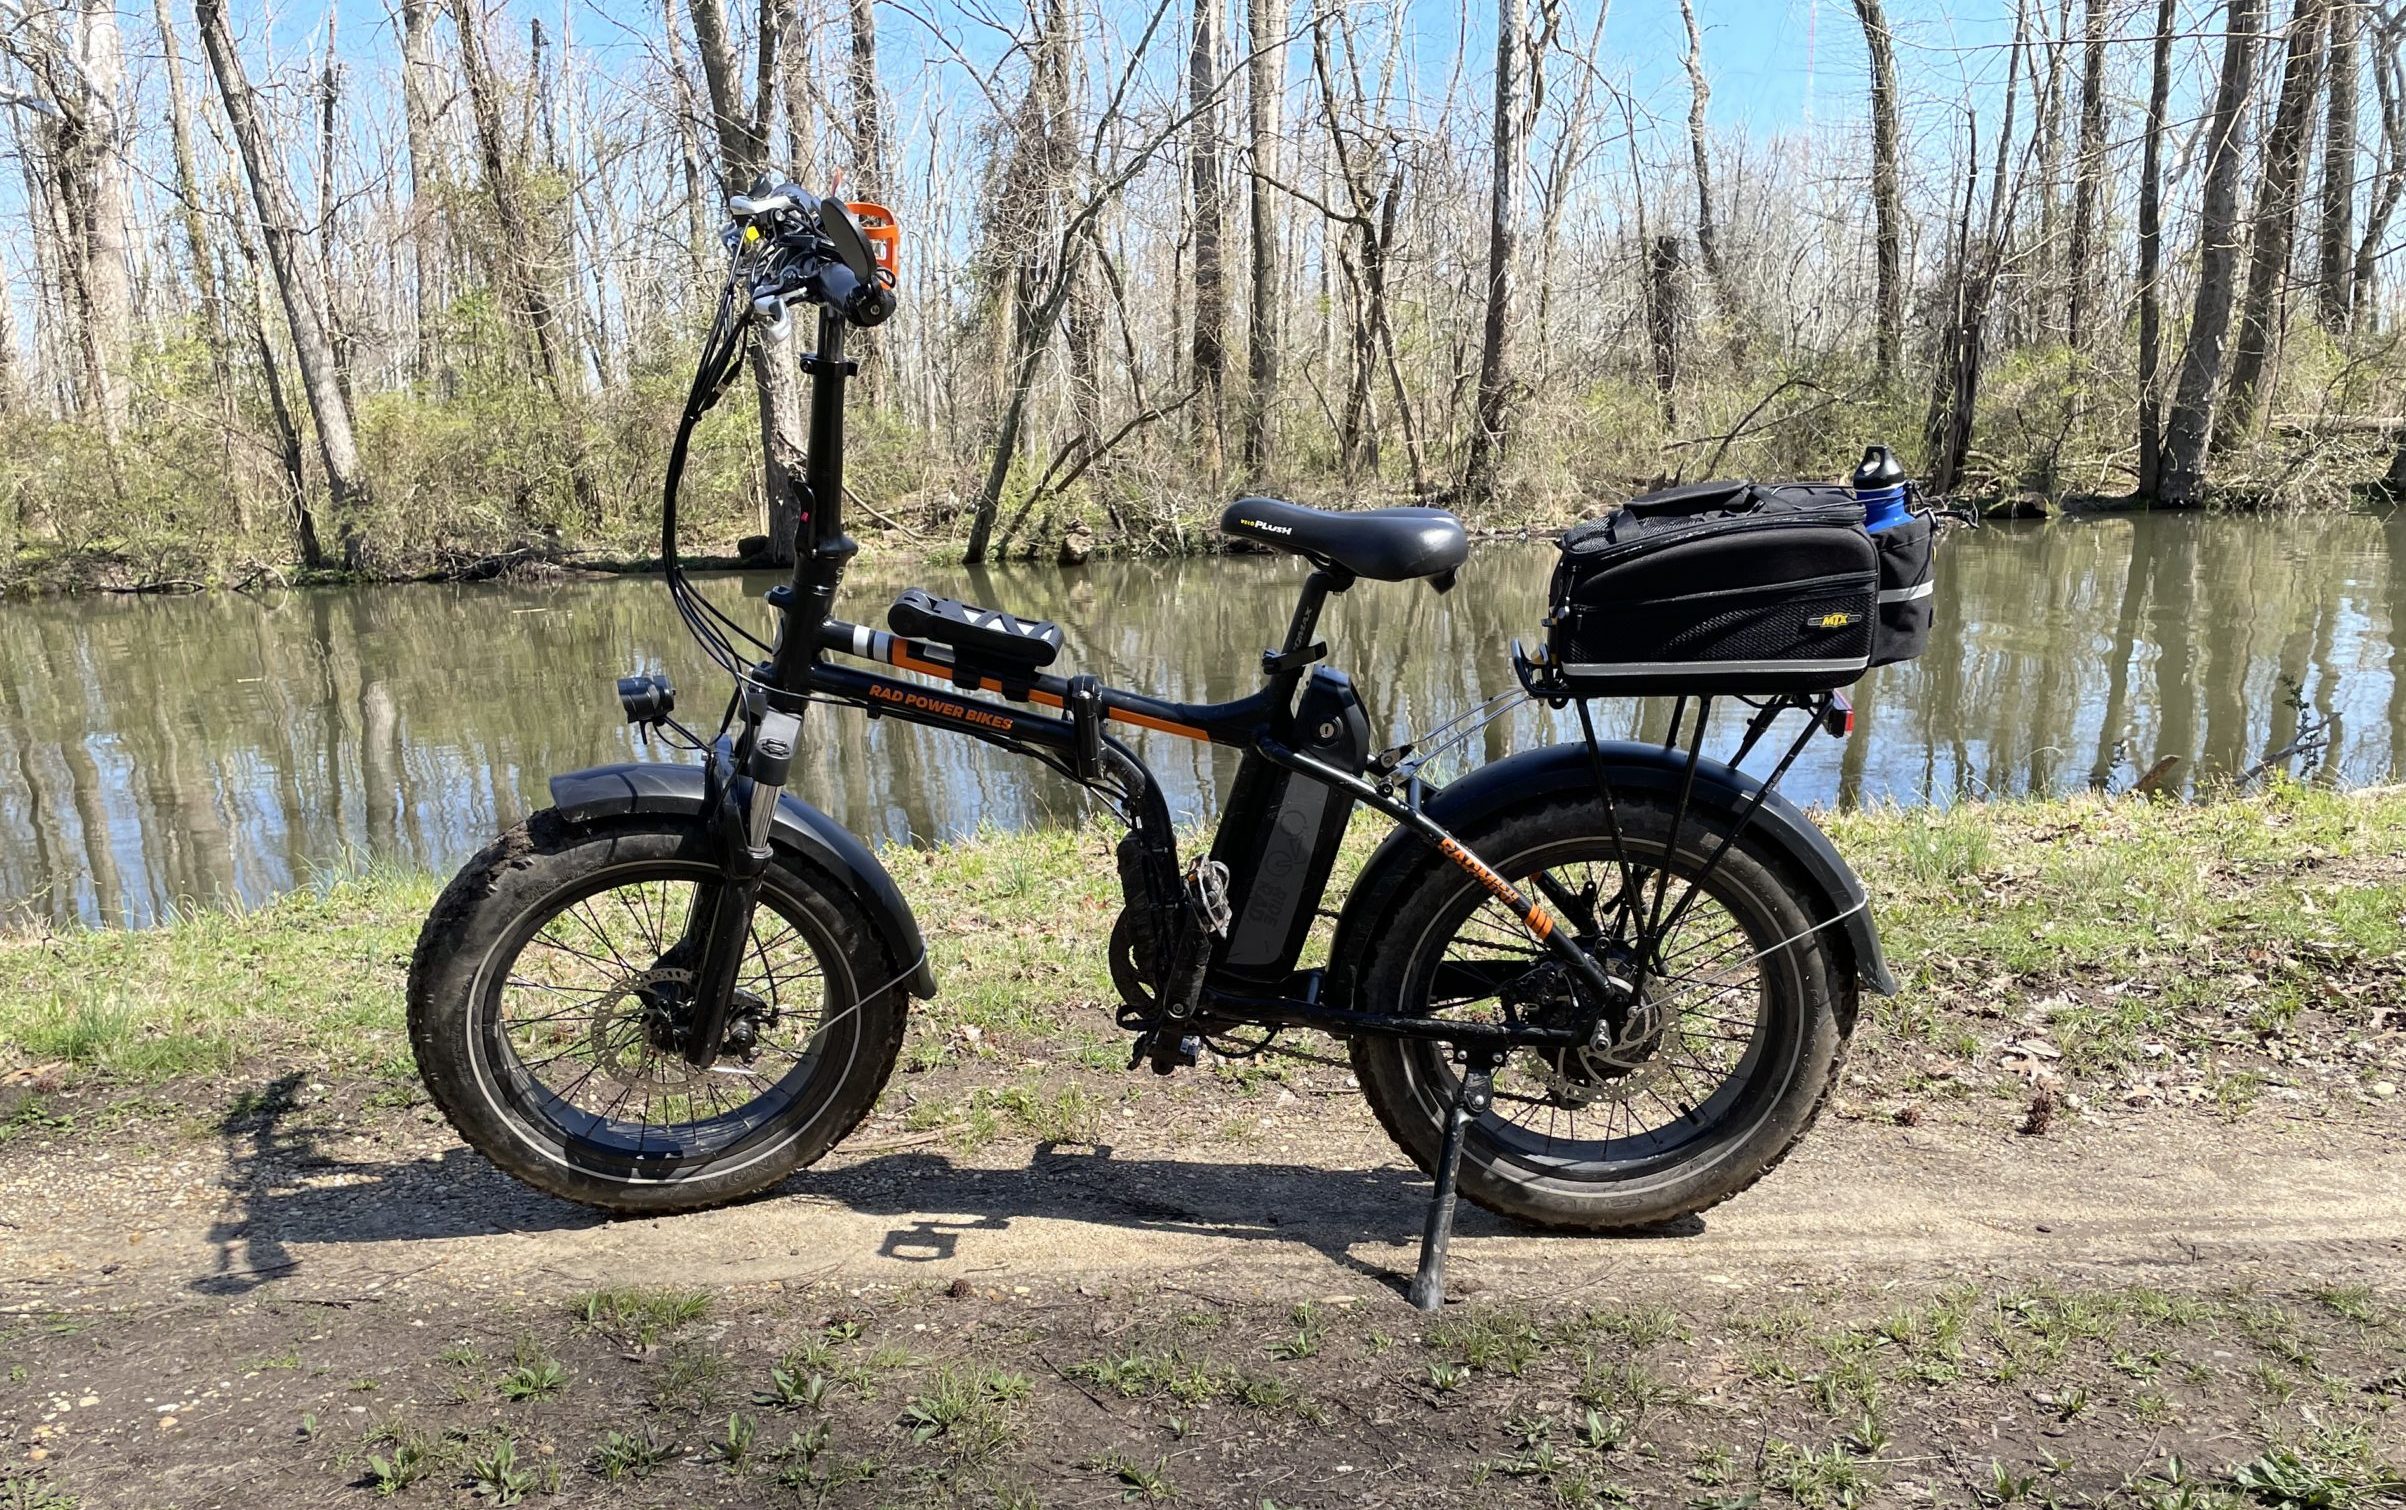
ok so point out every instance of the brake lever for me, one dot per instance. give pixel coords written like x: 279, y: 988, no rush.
x: 752, y: 207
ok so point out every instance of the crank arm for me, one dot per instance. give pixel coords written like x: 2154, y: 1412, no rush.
x: 747, y: 812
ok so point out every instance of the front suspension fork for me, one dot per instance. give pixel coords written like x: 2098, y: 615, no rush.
x: 720, y: 929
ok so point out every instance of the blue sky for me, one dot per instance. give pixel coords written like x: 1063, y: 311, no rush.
x: 1772, y: 62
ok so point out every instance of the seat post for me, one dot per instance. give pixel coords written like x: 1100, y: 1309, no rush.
x: 1316, y: 588
x: 1286, y: 665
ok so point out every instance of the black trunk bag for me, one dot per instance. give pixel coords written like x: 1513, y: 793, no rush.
x: 1735, y: 587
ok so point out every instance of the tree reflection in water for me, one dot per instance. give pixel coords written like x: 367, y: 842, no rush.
x: 158, y: 751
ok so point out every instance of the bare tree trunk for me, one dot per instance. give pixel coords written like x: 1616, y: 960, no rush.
x: 76, y: 197
x: 272, y: 195
x: 2335, y: 234
x: 2278, y: 193
x: 105, y: 151
x: 1887, y: 185
x: 1489, y: 424
x: 330, y: 82
x: 12, y: 394
x: 1265, y: 82
x: 2151, y: 257
x: 189, y: 217
x: 743, y: 153
x: 698, y: 214
x: 1374, y: 191
x: 2088, y: 179
x: 520, y: 242
x: 1708, y: 233
x: 1210, y: 348
x: 1663, y: 277
x: 421, y: 75
x: 49, y: 253
x: 1030, y: 277
x: 1955, y: 382
x: 871, y: 174
x: 288, y: 430
x: 2219, y: 235
x: 798, y: 84
x: 2389, y: 85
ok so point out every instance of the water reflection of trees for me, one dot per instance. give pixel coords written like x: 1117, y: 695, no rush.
x: 158, y: 751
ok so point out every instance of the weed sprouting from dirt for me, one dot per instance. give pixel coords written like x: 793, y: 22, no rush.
x: 734, y: 1445
x: 630, y: 1455
x: 407, y: 1458
x: 26, y: 1491
x: 1139, y: 1480
x: 1818, y: 1479
x: 639, y: 1316
x: 534, y: 1375
x: 496, y: 1476
x: 1488, y: 1340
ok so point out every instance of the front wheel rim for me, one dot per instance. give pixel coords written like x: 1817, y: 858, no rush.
x: 560, y: 1031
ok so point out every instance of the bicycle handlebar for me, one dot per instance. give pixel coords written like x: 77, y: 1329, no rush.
x: 789, y: 252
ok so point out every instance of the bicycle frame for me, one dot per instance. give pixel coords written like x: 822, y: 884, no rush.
x: 1261, y: 723
x: 1206, y: 955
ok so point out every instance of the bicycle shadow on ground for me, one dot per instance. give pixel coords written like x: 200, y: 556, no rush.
x: 283, y: 1186
x: 285, y: 1192
x: 1330, y: 1211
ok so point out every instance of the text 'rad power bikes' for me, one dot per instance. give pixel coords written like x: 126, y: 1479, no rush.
x: 1596, y: 986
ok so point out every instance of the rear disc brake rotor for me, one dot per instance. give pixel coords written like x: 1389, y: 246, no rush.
x: 1583, y: 1076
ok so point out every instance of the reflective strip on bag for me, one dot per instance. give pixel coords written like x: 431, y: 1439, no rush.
x: 1712, y: 668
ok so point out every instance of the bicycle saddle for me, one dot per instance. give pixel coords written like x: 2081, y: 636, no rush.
x: 1385, y: 545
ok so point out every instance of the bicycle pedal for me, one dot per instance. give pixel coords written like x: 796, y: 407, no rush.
x: 1184, y: 1054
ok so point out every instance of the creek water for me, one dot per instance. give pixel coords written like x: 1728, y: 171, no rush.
x: 157, y: 753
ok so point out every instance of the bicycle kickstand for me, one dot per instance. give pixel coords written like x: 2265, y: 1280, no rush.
x: 1471, y: 1097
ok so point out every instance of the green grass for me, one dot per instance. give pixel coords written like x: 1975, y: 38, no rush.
x: 639, y: 1315
x: 2187, y: 942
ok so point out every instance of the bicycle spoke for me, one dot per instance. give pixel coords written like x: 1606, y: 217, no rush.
x: 582, y: 1013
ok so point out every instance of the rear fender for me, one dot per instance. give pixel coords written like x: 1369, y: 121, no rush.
x: 647, y: 787
x: 1832, y: 888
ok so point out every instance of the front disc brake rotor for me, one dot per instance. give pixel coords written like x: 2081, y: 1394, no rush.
x: 634, y: 1031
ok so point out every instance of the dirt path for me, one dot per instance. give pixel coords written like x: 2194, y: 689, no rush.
x: 331, y: 1304
x: 1317, y: 1204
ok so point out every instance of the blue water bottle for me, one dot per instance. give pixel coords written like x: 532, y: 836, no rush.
x: 1879, y: 485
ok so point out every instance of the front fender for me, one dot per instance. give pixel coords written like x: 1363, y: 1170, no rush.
x: 1563, y: 770
x: 652, y: 787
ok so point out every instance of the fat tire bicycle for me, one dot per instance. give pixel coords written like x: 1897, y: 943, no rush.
x: 1599, y: 986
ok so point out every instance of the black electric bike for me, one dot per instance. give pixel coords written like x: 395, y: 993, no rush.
x: 1597, y: 986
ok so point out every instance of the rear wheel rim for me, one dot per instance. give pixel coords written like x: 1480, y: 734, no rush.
x: 564, y: 1023
x: 1720, y: 1026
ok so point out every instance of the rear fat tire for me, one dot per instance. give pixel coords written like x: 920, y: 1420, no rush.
x: 1808, y: 1012
x: 480, y: 918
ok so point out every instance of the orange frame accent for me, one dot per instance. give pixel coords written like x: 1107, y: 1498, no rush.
x: 897, y: 656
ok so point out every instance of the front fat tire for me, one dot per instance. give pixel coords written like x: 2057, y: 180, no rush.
x: 482, y: 910
x: 1410, y: 1085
